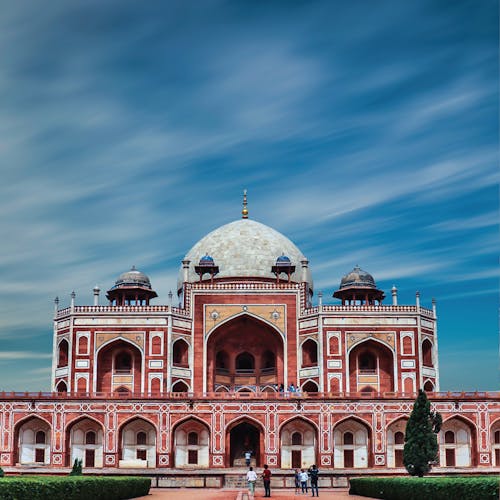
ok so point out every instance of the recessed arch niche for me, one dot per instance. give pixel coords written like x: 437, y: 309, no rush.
x: 244, y: 352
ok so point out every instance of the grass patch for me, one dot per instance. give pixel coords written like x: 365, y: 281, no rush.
x: 73, y: 488
x: 430, y: 488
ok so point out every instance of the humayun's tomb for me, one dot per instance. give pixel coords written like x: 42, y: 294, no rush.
x: 156, y: 388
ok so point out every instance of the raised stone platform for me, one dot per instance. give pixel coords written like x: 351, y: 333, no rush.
x: 235, y: 478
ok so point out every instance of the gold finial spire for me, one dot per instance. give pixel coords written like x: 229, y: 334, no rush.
x: 244, y: 212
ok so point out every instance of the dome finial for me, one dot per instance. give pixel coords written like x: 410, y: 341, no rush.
x: 244, y: 212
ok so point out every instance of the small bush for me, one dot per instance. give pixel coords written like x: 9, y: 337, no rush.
x: 77, y: 468
x: 73, y: 488
x: 435, y: 488
x: 2, y: 473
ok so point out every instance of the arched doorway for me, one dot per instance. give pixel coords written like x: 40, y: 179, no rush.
x: 298, y: 444
x: 244, y: 353
x: 138, y: 444
x: 191, y: 444
x: 244, y: 436
x: 84, y: 440
x: 455, y: 443
x: 351, y: 441
x: 395, y: 443
x: 371, y: 364
x: 119, y: 366
x: 33, y: 438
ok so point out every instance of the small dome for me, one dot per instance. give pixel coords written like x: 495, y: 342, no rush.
x: 133, y: 278
x: 357, y: 278
x: 206, y: 260
x: 283, y: 260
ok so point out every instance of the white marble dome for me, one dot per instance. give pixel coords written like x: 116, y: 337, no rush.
x: 244, y: 248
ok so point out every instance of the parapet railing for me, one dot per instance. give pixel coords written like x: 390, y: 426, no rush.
x: 192, y: 396
x: 121, y: 309
x: 184, y: 312
x: 380, y: 308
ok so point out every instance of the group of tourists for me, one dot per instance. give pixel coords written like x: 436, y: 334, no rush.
x: 252, y: 479
x: 302, y: 480
x: 302, y: 477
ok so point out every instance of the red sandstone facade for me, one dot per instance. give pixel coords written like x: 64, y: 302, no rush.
x: 158, y: 387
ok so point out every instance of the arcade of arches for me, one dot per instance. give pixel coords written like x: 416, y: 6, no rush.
x: 191, y: 441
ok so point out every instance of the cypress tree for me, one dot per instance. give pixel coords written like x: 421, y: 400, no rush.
x: 421, y: 448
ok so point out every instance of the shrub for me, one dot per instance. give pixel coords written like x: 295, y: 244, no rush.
x: 435, y: 488
x: 2, y: 473
x: 77, y: 468
x: 73, y: 488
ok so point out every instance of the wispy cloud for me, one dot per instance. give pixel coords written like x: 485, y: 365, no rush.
x: 124, y: 139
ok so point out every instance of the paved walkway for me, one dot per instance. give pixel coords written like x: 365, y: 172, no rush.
x: 228, y: 494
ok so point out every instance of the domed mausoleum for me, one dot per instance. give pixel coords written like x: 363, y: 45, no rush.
x: 244, y: 362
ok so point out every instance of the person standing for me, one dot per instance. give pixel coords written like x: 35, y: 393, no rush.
x: 303, y: 476
x: 266, y: 476
x: 248, y: 457
x: 313, y: 474
x: 297, y: 481
x: 251, y: 479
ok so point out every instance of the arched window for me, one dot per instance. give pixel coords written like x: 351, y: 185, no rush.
x: 408, y: 385
x: 181, y: 353
x: 83, y: 345
x: 222, y: 362
x: 90, y: 437
x: 123, y: 362
x: 427, y: 353
x: 141, y: 438
x: 310, y: 387
x: 334, y: 384
x: 407, y: 345
x: 368, y: 388
x: 367, y: 362
x: 429, y: 386
x: 122, y: 390
x: 156, y: 345
x: 180, y: 386
x: 62, y: 359
x: 155, y: 385
x: 497, y: 437
x: 449, y: 437
x: 245, y: 362
x: 81, y: 385
x: 61, y: 387
x: 268, y: 361
x: 309, y: 353
x: 348, y: 438
x: 399, y: 438
x: 40, y: 437
x: 333, y: 344
x: 193, y: 438
x: 296, y: 438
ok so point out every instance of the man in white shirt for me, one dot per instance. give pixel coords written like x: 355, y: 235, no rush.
x: 251, y: 478
x: 303, y: 477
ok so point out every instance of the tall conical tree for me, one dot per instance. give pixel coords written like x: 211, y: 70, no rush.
x: 421, y: 448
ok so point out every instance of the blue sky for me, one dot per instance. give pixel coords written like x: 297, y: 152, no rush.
x: 366, y: 132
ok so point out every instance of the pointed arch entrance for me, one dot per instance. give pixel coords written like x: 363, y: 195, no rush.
x: 242, y: 436
x: 371, y: 367
x: 244, y: 352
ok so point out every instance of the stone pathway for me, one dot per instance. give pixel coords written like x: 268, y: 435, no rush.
x: 232, y: 494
